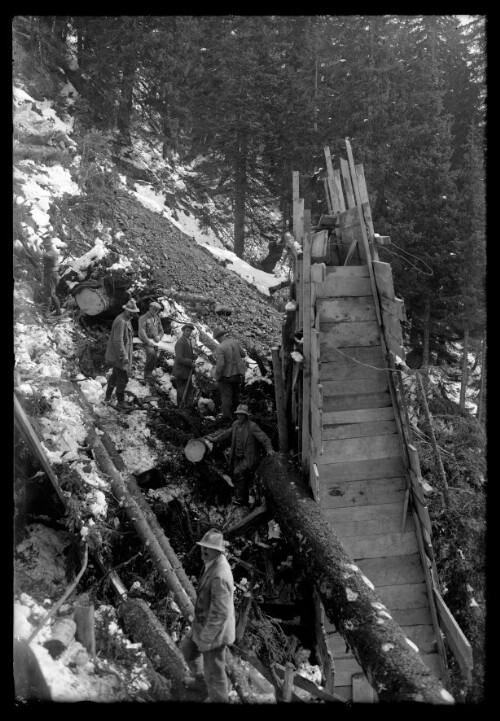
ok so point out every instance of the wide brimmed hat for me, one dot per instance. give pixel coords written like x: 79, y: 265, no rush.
x: 242, y: 408
x: 131, y: 306
x: 188, y: 325
x: 218, y: 332
x: 213, y: 539
x: 154, y: 306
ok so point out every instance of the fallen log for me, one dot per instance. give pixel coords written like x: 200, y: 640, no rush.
x: 140, y: 523
x: 258, y: 515
x: 393, y: 667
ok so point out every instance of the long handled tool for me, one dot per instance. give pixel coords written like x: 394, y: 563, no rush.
x: 186, y: 388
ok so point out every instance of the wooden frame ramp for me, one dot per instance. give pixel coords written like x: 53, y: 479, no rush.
x: 354, y: 433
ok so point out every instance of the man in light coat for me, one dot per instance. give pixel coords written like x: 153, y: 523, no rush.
x: 184, y: 366
x: 151, y: 332
x: 213, y: 628
x: 243, y: 456
x: 229, y: 371
x: 119, y: 355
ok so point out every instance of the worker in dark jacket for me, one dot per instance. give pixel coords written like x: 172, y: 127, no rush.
x: 151, y: 332
x: 229, y: 372
x: 243, y: 456
x: 204, y: 647
x: 184, y: 366
x: 119, y: 355
x: 51, y: 278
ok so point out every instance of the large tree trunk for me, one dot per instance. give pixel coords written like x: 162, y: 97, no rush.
x: 426, y: 322
x: 348, y: 597
x: 465, y: 368
x: 240, y: 194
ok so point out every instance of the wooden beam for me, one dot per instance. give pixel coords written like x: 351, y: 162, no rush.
x: 328, y: 197
x: 279, y: 391
x: 459, y: 644
x: 338, y: 187
x: 308, y: 686
x: 346, y: 175
x: 336, y: 206
x: 306, y: 347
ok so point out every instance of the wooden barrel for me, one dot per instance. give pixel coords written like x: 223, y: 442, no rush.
x: 92, y: 301
x: 195, y: 449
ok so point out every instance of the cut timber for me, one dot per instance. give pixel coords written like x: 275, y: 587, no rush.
x: 361, y: 493
x: 356, y: 402
x: 389, y: 544
x: 361, y: 415
x: 381, y: 468
x: 347, y: 271
x: 412, y: 616
x: 346, y: 309
x: 335, y: 286
x: 359, y: 449
x: 349, y: 194
x: 358, y: 430
x: 391, y: 570
x: 404, y: 595
x: 355, y: 357
x: 356, y: 333
x: 195, y: 449
x: 454, y: 635
x: 355, y: 387
x: 383, y: 279
x: 332, y: 371
x: 400, y: 675
x: 319, y: 245
x: 394, y: 306
x: 93, y: 301
x: 349, y: 529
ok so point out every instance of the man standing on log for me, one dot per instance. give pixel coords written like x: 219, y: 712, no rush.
x: 229, y: 371
x: 119, y: 355
x: 50, y: 274
x: 204, y: 647
x: 151, y: 332
x: 184, y: 366
x: 243, y: 456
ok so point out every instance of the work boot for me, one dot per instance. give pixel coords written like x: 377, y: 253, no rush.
x: 124, y: 406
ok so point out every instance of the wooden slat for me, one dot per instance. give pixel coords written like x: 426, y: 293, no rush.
x: 338, y: 187
x: 348, y: 403
x: 328, y: 196
x: 335, y: 310
x: 393, y: 570
x: 378, y: 511
x: 319, y: 245
x: 357, y: 333
x: 347, y: 271
x: 392, y: 326
x: 318, y: 272
x: 306, y: 350
x: 344, y: 670
x: 358, y: 430
x: 404, y: 595
x: 358, y: 416
x: 355, y: 387
x: 412, y: 616
x: 394, y: 345
x: 336, y: 286
x: 364, y: 471
x: 434, y: 662
x: 361, y: 493
x: 349, y: 218
x: 358, y: 449
x: 360, y: 177
x: 332, y: 371
x: 350, y: 529
x: 356, y: 357
x: 389, y: 544
x: 394, y: 306
x: 459, y: 644
x: 383, y: 279
x: 346, y: 175
x: 334, y: 196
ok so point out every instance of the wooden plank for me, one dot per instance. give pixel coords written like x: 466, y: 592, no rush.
x: 344, y: 669
x: 358, y: 430
x: 412, y: 616
x: 392, y: 326
x: 318, y: 272
x: 347, y: 271
x: 328, y: 196
x: 392, y: 570
x: 332, y: 371
x: 459, y: 644
x: 307, y: 220
x: 377, y: 511
x: 376, y: 527
x: 358, y: 449
x: 338, y: 188
x: 314, y: 480
x: 405, y: 595
x: 383, y: 279
x: 358, y: 386
x: 349, y: 218
x: 357, y: 402
x: 319, y: 245
x: 360, y: 415
x: 306, y: 347
x: 356, y: 333
x: 344, y: 692
x: 335, y: 310
x: 356, y: 356
x: 361, y: 493
x: 336, y: 286
x: 423, y: 636
x: 389, y: 544
x: 383, y: 468
x: 394, y: 306
x: 434, y: 662
x: 360, y: 177
x: 295, y: 205
x: 346, y: 175
x: 333, y: 190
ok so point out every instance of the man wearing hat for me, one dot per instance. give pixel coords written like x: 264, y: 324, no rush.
x: 151, y: 332
x: 50, y: 273
x: 243, y: 456
x: 213, y: 628
x: 184, y: 366
x: 119, y: 355
x: 229, y: 370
